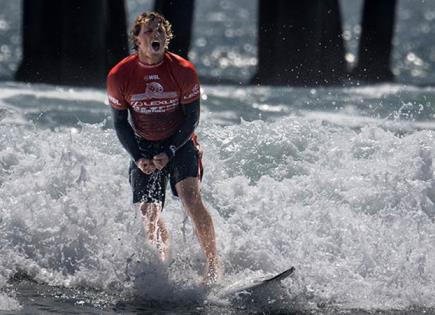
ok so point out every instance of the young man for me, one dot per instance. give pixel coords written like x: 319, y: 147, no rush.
x: 161, y: 92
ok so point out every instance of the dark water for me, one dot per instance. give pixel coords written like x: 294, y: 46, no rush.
x: 224, y: 38
x: 42, y: 299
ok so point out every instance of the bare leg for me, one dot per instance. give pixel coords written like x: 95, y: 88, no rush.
x: 188, y: 190
x: 163, y: 240
x: 155, y: 228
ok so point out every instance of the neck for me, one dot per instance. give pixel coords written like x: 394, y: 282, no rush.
x: 149, y: 59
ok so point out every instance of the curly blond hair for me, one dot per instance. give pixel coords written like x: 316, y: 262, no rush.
x: 146, y: 17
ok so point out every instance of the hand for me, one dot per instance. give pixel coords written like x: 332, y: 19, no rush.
x: 145, y: 165
x: 160, y: 160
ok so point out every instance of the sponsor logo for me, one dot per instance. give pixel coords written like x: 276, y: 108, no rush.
x: 114, y: 100
x: 148, y: 109
x: 151, y: 77
x: 195, y: 91
x: 138, y: 104
x: 153, y: 90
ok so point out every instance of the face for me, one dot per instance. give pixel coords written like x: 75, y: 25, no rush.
x: 151, y: 40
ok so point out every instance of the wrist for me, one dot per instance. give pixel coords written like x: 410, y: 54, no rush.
x: 170, y: 151
x: 143, y: 156
x: 137, y: 161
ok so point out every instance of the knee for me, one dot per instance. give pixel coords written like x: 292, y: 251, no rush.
x: 199, y: 214
x: 192, y: 200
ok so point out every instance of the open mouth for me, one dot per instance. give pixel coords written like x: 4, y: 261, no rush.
x: 155, y: 45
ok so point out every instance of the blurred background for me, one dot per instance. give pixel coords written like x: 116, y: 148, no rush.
x: 224, y: 38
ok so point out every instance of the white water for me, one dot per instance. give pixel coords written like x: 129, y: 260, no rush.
x: 349, y: 203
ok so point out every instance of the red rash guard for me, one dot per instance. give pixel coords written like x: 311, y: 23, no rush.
x: 153, y: 93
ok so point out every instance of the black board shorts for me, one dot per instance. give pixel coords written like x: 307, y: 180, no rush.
x: 152, y: 188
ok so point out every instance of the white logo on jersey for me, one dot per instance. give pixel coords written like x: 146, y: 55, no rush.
x: 152, y: 77
x: 155, y: 106
x: 194, y: 92
x: 114, y: 100
x: 154, y: 88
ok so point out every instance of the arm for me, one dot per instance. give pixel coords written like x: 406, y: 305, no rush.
x: 126, y: 136
x: 125, y: 133
x: 123, y: 129
x: 191, y: 120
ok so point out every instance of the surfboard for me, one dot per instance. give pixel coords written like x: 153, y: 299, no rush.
x: 249, y: 285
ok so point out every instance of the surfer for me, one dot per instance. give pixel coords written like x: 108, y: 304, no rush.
x: 160, y: 90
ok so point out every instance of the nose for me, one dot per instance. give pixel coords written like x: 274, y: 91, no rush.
x: 155, y: 33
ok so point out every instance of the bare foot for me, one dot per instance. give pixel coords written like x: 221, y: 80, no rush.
x: 163, y: 251
x: 162, y: 243
x: 213, y: 272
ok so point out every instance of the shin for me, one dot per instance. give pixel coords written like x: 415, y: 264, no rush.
x: 155, y: 228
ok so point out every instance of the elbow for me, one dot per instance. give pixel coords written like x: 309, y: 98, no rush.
x: 119, y: 126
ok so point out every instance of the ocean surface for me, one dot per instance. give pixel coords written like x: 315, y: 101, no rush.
x: 337, y: 182
x: 224, y: 38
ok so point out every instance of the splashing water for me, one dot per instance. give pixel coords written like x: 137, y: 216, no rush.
x: 351, y: 208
